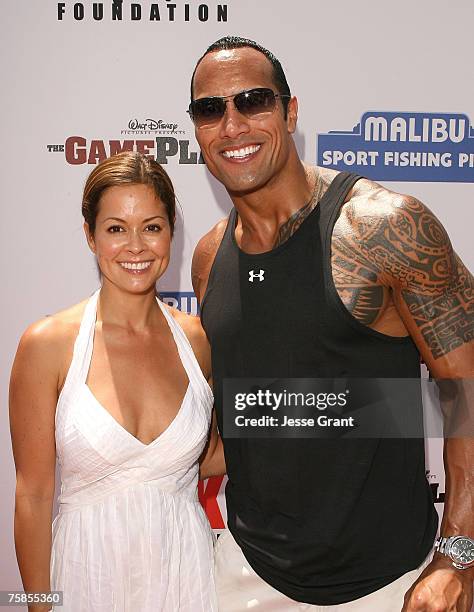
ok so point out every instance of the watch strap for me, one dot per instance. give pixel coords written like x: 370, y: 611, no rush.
x: 443, y: 546
x: 440, y: 545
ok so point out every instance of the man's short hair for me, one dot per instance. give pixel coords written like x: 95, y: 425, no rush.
x: 236, y: 42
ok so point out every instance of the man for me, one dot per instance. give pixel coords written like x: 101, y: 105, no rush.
x: 320, y: 274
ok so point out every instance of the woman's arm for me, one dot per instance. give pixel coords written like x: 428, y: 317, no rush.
x: 33, y: 398
x: 212, y: 461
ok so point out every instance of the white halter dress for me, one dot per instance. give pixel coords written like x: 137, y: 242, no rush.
x: 131, y: 535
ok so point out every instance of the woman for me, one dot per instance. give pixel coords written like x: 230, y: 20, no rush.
x: 116, y: 388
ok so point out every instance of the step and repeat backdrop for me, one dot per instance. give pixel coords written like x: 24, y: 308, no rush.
x: 384, y: 90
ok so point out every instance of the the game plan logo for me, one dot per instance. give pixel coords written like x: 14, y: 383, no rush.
x: 157, y: 138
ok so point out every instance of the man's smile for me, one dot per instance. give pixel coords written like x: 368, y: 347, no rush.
x: 241, y: 153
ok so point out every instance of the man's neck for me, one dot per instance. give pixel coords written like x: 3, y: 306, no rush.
x: 270, y: 216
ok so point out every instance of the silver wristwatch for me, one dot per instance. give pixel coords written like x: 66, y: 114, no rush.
x: 460, y: 549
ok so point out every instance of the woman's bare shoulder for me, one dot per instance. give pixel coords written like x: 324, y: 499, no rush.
x: 191, y: 325
x: 49, y: 341
x: 55, y: 328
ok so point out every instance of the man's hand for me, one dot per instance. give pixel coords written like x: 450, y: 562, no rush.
x: 441, y: 588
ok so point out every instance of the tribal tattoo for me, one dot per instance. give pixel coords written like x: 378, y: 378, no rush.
x: 404, y: 246
x: 294, y: 222
x: 446, y: 319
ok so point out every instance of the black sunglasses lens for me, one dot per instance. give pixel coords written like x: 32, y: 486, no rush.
x: 207, y: 110
x: 251, y: 103
x: 255, y: 101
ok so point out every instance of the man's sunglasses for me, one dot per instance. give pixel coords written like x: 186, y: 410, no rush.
x: 252, y: 103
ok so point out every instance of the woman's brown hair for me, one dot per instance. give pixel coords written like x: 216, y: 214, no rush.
x: 124, y: 169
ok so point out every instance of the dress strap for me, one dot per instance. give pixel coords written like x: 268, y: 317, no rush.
x: 187, y: 356
x: 83, y: 344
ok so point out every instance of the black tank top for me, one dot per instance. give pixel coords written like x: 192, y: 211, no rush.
x: 324, y: 521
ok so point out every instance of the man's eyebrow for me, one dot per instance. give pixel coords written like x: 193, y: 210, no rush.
x: 144, y: 220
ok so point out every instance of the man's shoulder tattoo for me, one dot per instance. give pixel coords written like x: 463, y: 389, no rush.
x: 410, y: 247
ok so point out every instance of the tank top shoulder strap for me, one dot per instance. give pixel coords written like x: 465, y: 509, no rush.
x: 226, y: 258
x: 231, y: 223
x: 82, y: 351
x: 330, y: 206
x: 334, y: 198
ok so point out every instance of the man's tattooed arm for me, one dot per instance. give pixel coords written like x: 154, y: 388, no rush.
x: 393, y: 246
x: 355, y: 275
x: 401, y: 249
x: 445, y: 318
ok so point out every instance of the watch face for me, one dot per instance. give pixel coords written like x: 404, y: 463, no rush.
x: 462, y: 551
